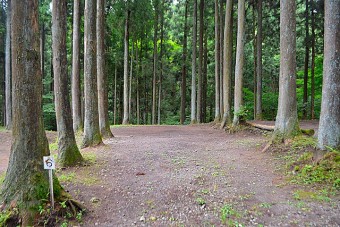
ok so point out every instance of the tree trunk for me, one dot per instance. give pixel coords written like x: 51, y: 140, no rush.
x: 155, y: 63
x: 222, y: 26
x: 91, y: 124
x: 68, y: 152
x: 76, y: 92
x: 217, y: 64
x: 26, y: 185
x: 238, y: 96
x: 312, y: 95
x: 103, y: 100
x: 227, y: 65
x: 8, y: 79
x: 115, y: 97
x: 193, y: 65
x: 126, y: 73
x: 161, y: 67
x: 184, y: 65
x: 258, y: 113
x: 286, y: 124
x: 329, y: 128
x: 137, y: 87
x: 130, y: 79
x: 200, y: 64
x: 305, y: 74
x: 205, y: 76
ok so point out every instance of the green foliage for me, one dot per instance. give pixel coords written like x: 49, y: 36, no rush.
x: 2, y: 178
x: 226, y: 212
x: 200, y: 201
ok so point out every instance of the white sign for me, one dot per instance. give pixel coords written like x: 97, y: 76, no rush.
x: 49, y: 162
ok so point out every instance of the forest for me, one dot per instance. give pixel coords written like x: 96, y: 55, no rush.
x: 83, y: 69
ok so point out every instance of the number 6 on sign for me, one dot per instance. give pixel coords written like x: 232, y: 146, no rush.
x: 49, y: 162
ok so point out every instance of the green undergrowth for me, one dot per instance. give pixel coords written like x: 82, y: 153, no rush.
x: 307, y: 165
x: 2, y: 178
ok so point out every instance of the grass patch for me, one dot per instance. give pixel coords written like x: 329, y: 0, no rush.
x: 67, y: 178
x: 90, y: 158
x: 2, y: 178
x: 228, y: 214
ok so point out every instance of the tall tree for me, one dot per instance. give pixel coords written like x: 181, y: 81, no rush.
x: 155, y: 62
x: 286, y: 124
x: 238, y: 102
x: 161, y: 65
x: 258, y: 114
x: 312, y: 95
x: 103, y: 101
x: 193, y: 65
x: 305, y: 73
x: 227, y: 65
x: 25, y: 186
x: 126, y: 66
x: 91, y: 124
x: 329, y: 128
x: 217, y: 64
x: 76, y: 92
x: 8, y: 79
x: 68, y: 152
x: 184, y: 64
x: 200, y: 63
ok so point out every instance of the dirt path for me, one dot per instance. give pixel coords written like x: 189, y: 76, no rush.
x: 191, y: 176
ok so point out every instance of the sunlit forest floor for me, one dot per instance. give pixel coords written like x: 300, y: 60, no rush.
x: 191, y: 176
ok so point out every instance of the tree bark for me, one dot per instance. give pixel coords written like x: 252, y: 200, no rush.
x: 155, y: 63
x: 193, y: 65
x: 184, y: 65
x: 286, y: 124
x: 26, y: 183
x: 126, y: 119
x: 227, y: 65
x: 130, y: 79
x: 68, y: 152
x: 205, y: 75
x: 312, y: 95
x: 305, y: 73
x: 8, y: 79
x: 76, y: 91
x: 103, y: 100
x: 329, y: 128
x: 258, y: 114
x: 217, y: 64
x: 222, y: 26
x: 238, y: 96
x: 92, y: 135
x: 200, y: 63
x: 161, y: 66
x: 115, y: 97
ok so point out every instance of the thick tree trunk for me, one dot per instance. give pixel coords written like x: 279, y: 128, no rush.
x: 238, y: 96
x: 312, y: 94
x: 193, y: 65
x: 26, y: 183
x: 329, y: 128
x: 155, y: 64
x: 126, y: 119
x: 76, y: 92
x: 217, y: 64
x: 8, y: 79
x: 184, y: 65
x: 200, y: 64
x: 103, y: 100
x: 286, y: 124
x: 258, y: 111
x: 227, y: 65
x: 92, y: 135
x: 68, y: 152
x: 305, y: 73
x: 222, y: 26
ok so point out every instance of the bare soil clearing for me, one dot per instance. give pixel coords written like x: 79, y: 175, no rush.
x: 187, y: 175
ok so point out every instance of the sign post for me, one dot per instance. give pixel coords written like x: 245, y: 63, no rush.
x: 49, y: 164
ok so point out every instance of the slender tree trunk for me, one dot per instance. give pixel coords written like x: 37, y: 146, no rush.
x: 200, y: 64
x: 217, y: 64
x: 184, y: 65
x: 103, y: 100
x: 258, y: 114
x: 8, y: 79
x: 25, y: 186
x: 312, y: 95
x: 155, y: 63
x: 222, y: 26
x: 126, y: 73
x: 193, y: 65
x: 238, y: 102
x: 91, y: 124
x: 286, y: 124
x: 329, y: 128
x: 115, y: 98
x: 76, y: 91
x: 130, y: 80
x: 227, y: 66
x: 68, y: 152
x: 305, y: 76
x: 255, y: 56
x: 205, y: 76
x: 137, y: 86
x: 42, y: 51
x: 161, y: 66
